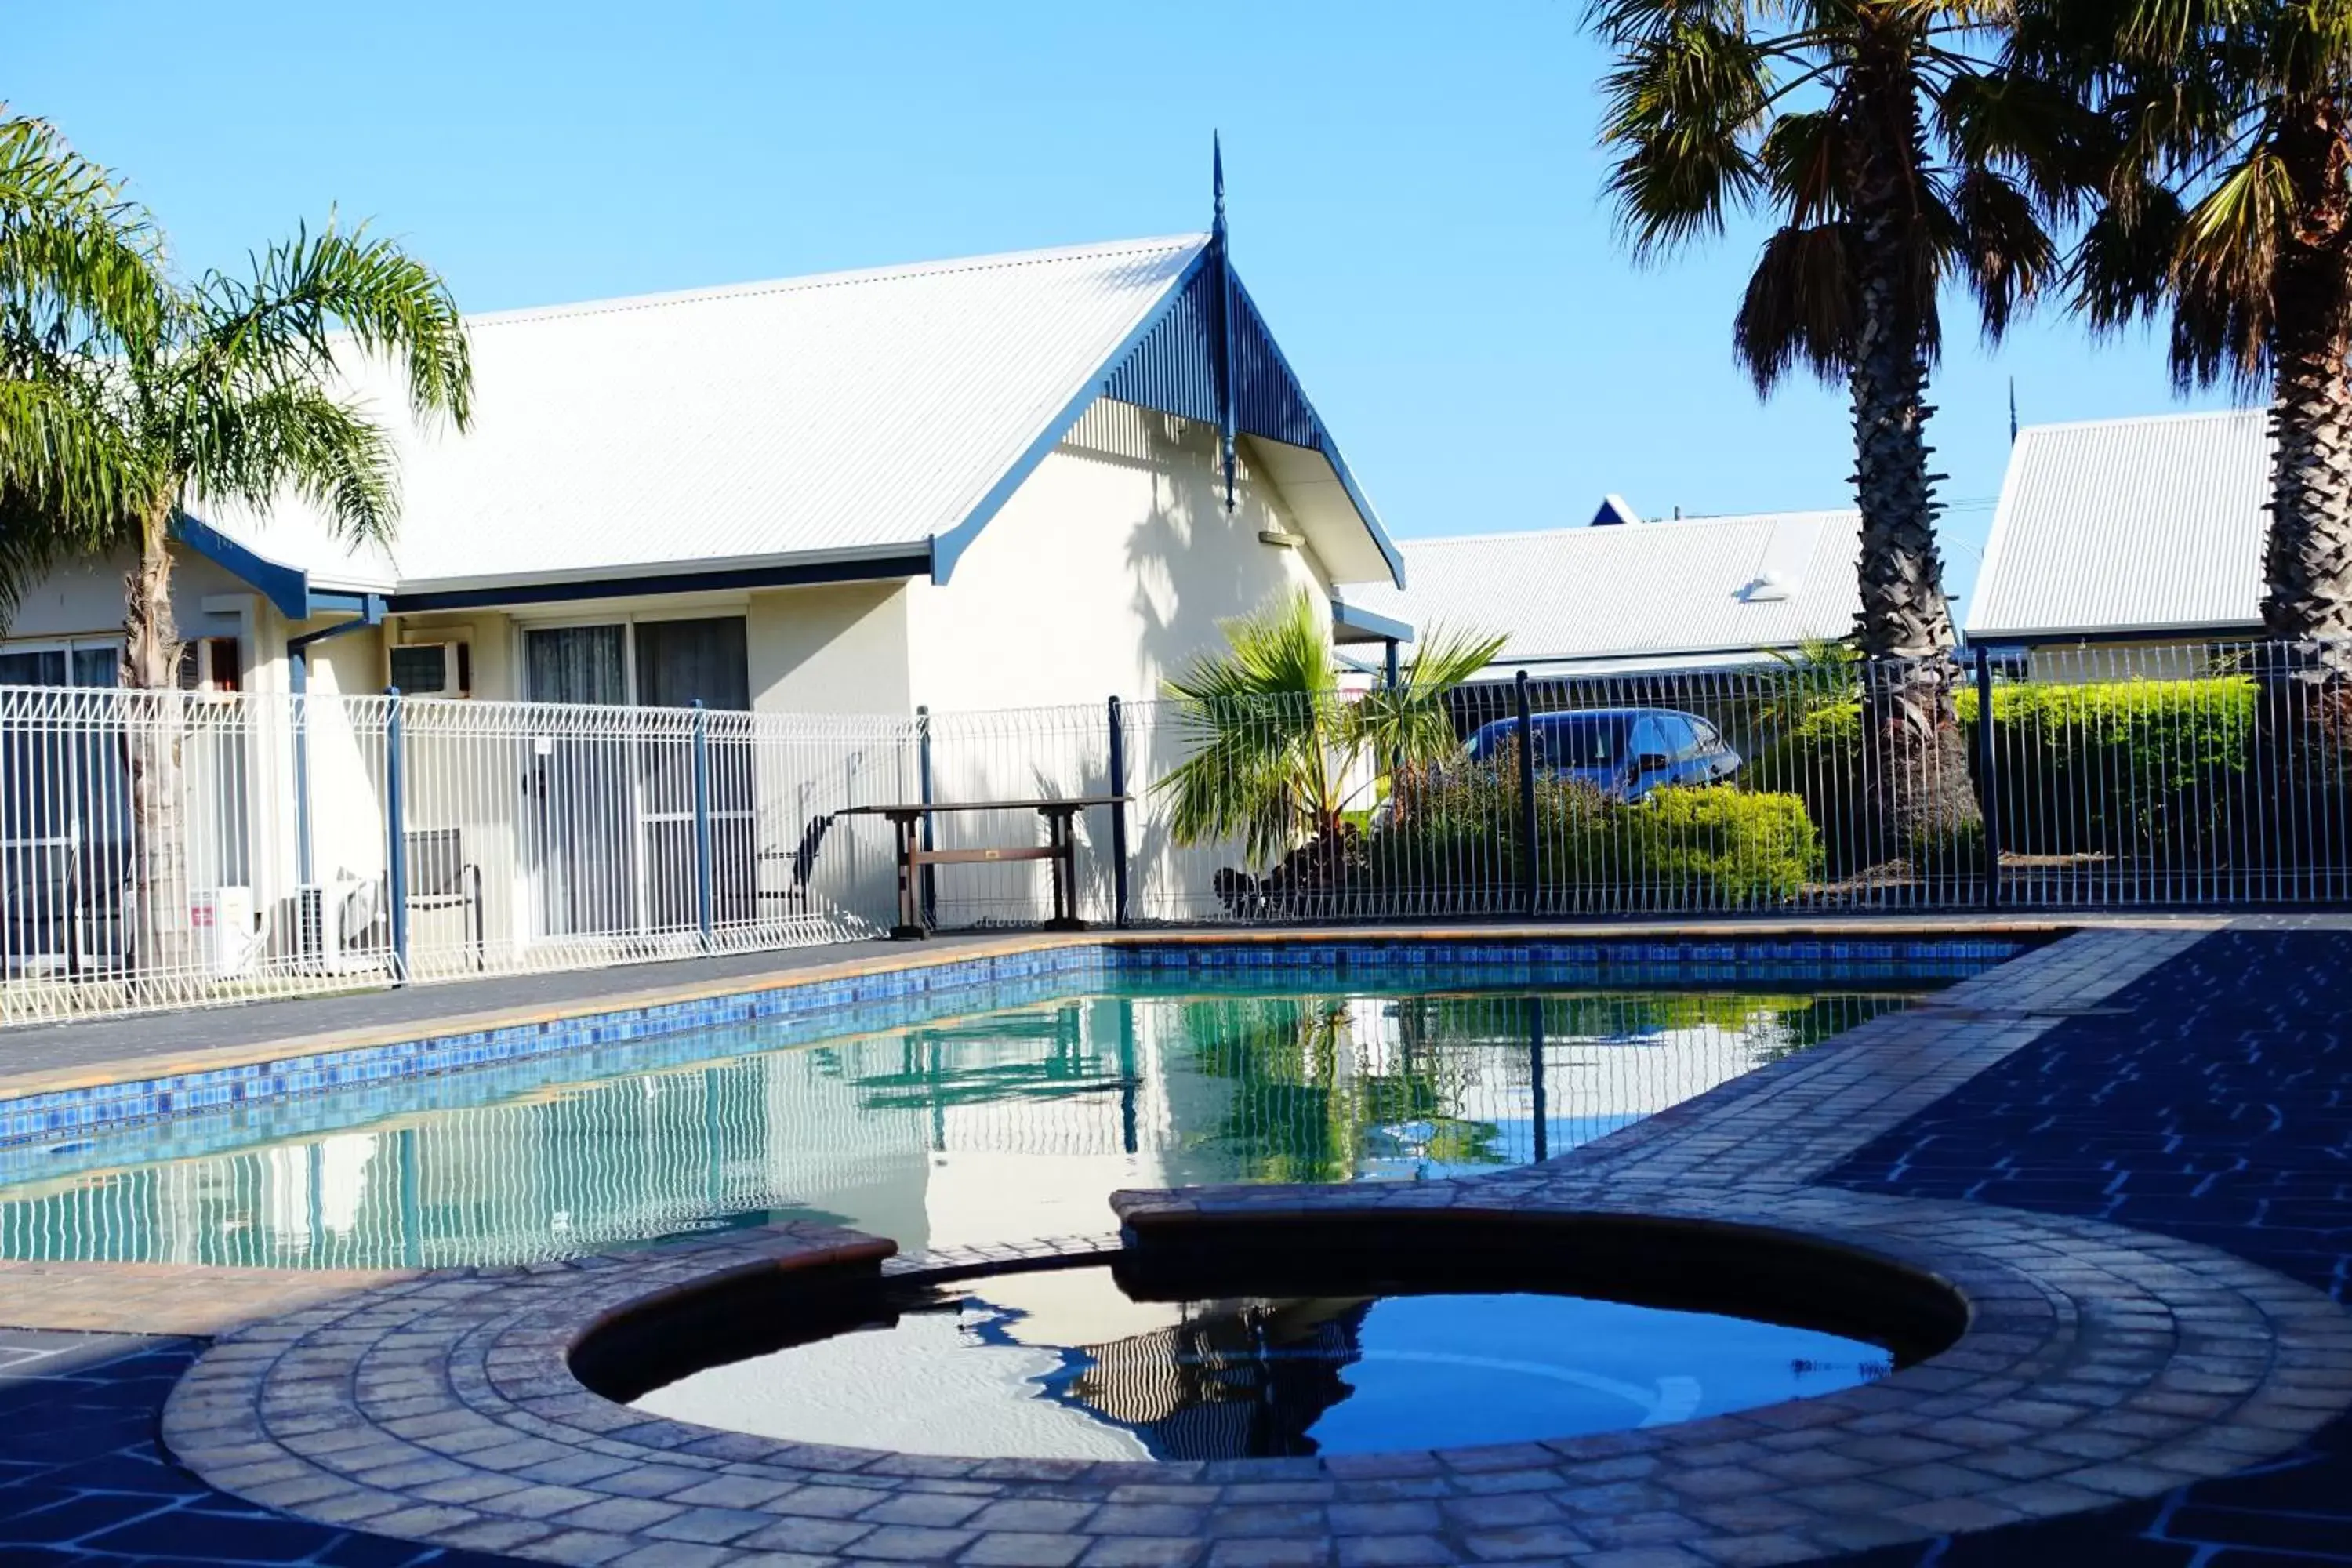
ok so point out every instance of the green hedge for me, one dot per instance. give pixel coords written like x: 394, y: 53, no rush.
x: 1717, y: 846
x: 2138, y: 767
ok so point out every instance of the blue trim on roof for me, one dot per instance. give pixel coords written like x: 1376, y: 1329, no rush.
x: 1169, y: 364
x: 287, y: 587
x: 948, y: 547
x: 1359, y: 620
x: 1321, y: 441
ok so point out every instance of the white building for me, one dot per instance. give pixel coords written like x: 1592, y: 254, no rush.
x: 1000, y: 482
x: 1623, y: 595
x: 817, y: 494
x: 2116, y: 537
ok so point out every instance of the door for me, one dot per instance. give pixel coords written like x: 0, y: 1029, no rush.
x: 678, y: 664
x: 580, y: 815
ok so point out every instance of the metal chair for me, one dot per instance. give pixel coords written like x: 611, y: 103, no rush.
x: 440, y: 878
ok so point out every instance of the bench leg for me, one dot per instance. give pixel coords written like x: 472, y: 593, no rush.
x: 910, y: 915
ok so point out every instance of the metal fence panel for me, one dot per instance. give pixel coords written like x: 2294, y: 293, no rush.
x: 163, y: 849
x: 167, y: 849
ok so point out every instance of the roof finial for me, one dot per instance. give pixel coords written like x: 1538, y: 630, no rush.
x: 1217, y: 180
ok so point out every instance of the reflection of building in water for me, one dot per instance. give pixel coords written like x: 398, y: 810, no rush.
x: 1231, y: 1380
x: 1006, y: 1126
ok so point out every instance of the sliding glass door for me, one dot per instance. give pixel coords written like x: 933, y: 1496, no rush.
x: 581, y: 814
x: 612, y: 848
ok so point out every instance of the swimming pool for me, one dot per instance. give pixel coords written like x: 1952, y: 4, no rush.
x: 1001, y: 1113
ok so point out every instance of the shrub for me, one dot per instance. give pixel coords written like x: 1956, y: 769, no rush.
x: 2126, y: 767
x: 1713, y: 846
x: 1719, y: 845
x: 2123, y: 767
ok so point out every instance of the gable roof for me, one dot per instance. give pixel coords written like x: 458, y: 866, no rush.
x: 869, y: 422
x: 2114, y: 526
x: 1691, y: 591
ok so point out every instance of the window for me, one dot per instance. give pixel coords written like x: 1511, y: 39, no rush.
x: 208, y: 664
x: 655, y: 664
x: 77, y: 662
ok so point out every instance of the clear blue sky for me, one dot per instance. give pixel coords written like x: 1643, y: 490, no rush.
x: 1415, y: 192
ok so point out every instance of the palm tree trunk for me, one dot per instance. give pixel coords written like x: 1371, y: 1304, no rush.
x: 163, y: 937
x: 2304, y: 726
x: 2307, y: 563
x: 1918, y: 760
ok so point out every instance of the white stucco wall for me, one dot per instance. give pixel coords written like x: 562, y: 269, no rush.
x: 842, y: 648
x: 1107, y: 571
x: 84, y: 598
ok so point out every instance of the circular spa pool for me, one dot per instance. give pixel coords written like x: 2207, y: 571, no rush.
x: 1070, y: 1363
x: 1264, y: 1337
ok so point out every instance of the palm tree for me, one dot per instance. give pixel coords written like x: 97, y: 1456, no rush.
x: 77, y: 277
x: 1892, y: 153
x: 240, y: 395
x: 2226, y: 199
x: 1279, y: 757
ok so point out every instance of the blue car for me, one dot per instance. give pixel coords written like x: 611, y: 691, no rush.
x: 1624, y: 752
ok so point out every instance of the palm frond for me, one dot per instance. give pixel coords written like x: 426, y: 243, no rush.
x: 306, y: 296
x: 1409, y: 724
x: 297, y: 437
x: 2003, y: 251
x: 2121, y: 269
x: 1683, y: 104
x: 76, y: 259
x: 1799, y: 307
x: 2224, y: 270
x: 72, y: 480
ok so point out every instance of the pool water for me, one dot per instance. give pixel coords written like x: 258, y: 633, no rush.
x: 1002, y: 1125
x: 1066, y: 1365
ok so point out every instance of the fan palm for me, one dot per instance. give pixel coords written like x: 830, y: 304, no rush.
x: 2226, y: 200
x: 1279, y: 757
x: 1894, y: 157
x: 237, y: 394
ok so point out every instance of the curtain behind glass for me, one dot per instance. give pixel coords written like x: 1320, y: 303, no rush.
x: 583, y: 831
x: 577, y: 664
x: 682, y: 662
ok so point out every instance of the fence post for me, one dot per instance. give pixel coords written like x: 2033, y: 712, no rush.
x: 703, y: 868
x: 930, y: 882
x: 395, y: 814
x: 1528, y: 882
x: 1535, y: 1007
x: 1987, y: 779
x: 1118, y: 817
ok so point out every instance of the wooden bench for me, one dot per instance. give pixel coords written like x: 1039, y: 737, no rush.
x: 1060, y: 849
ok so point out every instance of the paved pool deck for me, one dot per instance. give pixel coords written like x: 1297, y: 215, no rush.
x: 2205, y: 1096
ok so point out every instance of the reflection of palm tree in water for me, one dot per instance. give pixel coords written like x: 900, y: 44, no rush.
x: 1305, y: 1108
x: 1237, y: 1381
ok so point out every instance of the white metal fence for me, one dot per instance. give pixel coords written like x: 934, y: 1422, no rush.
x: 162, y: 849
x: 167, y: 849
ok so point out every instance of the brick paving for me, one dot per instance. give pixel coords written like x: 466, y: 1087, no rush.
x: 2216, y: 1106
x: 2098, y: 1363
x: 84, y: 1484
x: 2197, y: 1091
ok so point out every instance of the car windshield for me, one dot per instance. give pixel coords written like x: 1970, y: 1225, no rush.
x: 1562, y: 740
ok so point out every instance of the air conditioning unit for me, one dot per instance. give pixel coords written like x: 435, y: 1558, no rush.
x: 227, y: 938
x: 330, y: 927
x: 433, y: 668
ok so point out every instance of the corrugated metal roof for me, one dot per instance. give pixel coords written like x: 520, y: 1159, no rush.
x: 838, y: 414
x: 1640, y: 593
x: 2122, y: 526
